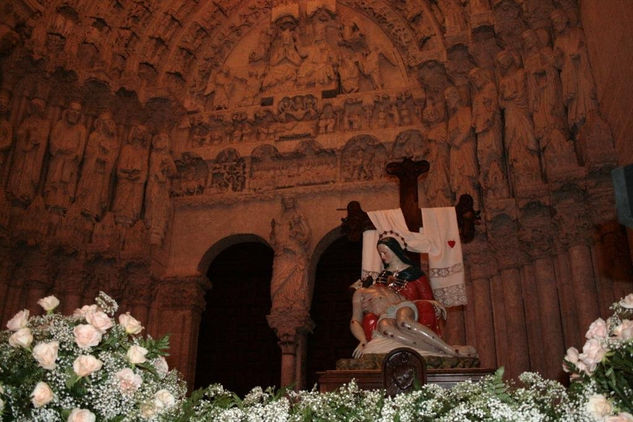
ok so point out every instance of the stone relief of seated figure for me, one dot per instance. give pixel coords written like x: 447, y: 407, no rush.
x: 398, y: 309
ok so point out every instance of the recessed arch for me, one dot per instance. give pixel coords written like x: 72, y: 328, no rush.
x: 235, y: 337
x: 335, y: 264
x: 222, y: 244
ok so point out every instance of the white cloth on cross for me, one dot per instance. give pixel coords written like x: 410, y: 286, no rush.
x: 439, y: 238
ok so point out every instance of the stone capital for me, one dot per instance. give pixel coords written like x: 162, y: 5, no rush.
x: 288, y: 322
x: 185, y: 292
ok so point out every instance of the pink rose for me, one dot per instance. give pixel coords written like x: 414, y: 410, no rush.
x: 620, y: 417
x: 163, y: 400
x: 100, y: 320
x: 19, y: 320
x: 49, y: 303
x: 21, y: 338
x: 81, y: 312
x: 597, y: 330
x: 81, y: 415
x: 129, y: 382
x: 86, y: 336
x: 130, y: 324
x: 85, y: 365
x: 624, y: 331
x: 627, y: 302
x: 592, y: 354
x: 599, y: 407
x: 41, y: 395
x: 136, y: 354
x: 46, y: 354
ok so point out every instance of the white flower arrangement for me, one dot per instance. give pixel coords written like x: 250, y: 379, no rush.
x: 103, y: 372
x: 78, y: 368
x: 605, y: 365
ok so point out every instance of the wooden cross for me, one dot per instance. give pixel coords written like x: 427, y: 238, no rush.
x: 408, y: 171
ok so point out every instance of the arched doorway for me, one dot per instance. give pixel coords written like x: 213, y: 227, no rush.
x: 338, y: 267
x: 236, y: 347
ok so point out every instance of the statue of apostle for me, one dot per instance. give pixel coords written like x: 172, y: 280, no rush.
x: 131, y: 177
x: 65, y: 150
x: 157, y: 203
x: 93, y: 192
x: 31, y: 139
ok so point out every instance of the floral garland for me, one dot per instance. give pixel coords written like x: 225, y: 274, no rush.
x: 86, y: 367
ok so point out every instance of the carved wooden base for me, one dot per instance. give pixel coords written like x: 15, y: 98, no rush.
x: 370, y: 379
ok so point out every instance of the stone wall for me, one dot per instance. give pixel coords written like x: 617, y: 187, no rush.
x: 137, y: 136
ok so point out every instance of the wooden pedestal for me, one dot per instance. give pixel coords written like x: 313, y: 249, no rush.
x: 370, y: 379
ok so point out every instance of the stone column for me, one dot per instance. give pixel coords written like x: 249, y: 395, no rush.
x: 289, y: 325
x: 575, y: 235
x: 543, y: 311
x: 510, y: 258
x: 139, y: 290
x: 482, y: 266
x: 177, y: 310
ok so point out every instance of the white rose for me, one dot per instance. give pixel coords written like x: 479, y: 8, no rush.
x: 81, y: 415
x: 21, y: 338
x: 49, y: 303
x: 86, y: 336
x: 161, y: 366
x: 46, y: 354
x: 81, y: 312
x: 41, y: 395
x: 624, y: 331
x: 136, y: 354
x: 100, y: 320
x: 148, y: 410
x: 627, y: 302
x: 131, y: 325
x: 129, y: 382
x: 163, y: 399
x: 597, y: 330
x: 85, y: 365
x: 19, y: 320
x: 598, y: 406
x: 592, y: 354
x: 571, y: 357
x: 620, y: 417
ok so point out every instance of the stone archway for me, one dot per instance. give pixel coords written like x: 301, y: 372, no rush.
x: 338, y: 267
x: 234, y: 335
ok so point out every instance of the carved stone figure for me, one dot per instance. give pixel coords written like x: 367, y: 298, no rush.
x: 106, y: 238
x: 543, y: 84
x: 327, y: 119
x: 463, y: 153
x: 93, y: 192
x: 575, y: 72
x: 6, y: 129
x: 157, y: 203
x: 437, y: 184
x: 285, y: 57
x: 488, y: 127
x: 131, y: 177
x: 31, y: 139
x: 521, y: 144
x: 317, y: 69
x: 290, y: 237
x: 66, y: 148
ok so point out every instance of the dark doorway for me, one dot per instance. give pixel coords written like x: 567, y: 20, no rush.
x: 236, y: 347
x: 331, y: 311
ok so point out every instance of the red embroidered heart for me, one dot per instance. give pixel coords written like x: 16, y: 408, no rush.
x: 451, y: 243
